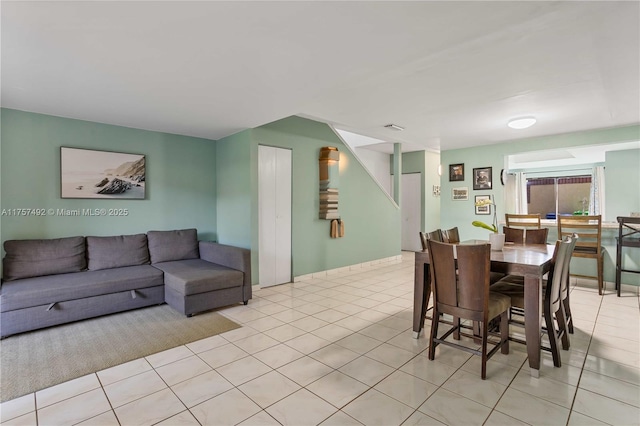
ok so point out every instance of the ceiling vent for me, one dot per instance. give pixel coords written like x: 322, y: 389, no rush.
x: 394, y: 127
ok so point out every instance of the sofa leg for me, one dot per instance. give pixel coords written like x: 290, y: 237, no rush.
x: 245, y: 302
x: 189, y: 315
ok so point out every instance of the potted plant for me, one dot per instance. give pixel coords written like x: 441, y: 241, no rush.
x: 496, y: 239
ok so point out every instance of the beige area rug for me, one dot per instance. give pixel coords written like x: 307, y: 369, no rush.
x: 39, y: 359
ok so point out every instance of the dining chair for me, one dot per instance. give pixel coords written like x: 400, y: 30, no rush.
x: 528, y: 236
x: 553, y: 306
x: 590, y: 244
x: 564, y: 290
x: 461, y: 289
x: 423, y: 240
x: 536, y: 236
x: 435, y: 235
x: 522, y: 220
x: 451, y: 236
x: 513, y: 235
x: 628, y: 236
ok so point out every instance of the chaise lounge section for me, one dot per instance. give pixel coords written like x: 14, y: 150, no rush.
x: 199, y: 276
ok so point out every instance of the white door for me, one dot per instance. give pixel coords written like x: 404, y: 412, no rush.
x: 410, y: 208
x: 274, y: 216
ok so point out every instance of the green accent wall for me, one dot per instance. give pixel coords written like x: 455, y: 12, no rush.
x: 233, y: 189
x: 622, y: 184
x: 621, y: 200
x: 372, y: 221
x: 181, y: 179
x: 620, y: 172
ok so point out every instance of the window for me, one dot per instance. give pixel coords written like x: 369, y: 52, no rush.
x: 564, y: 195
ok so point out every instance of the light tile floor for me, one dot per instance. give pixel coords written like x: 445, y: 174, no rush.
x: 338, y: 350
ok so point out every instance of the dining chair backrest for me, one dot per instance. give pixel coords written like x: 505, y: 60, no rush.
x: 465, y: 293
x: 588, y: 227
x: 423, y: 240
x: 536, y: 236
x: 451, y: 236
x: 522, y: 220
x: 564, y: 289
x: 562, y: 255
x: 513, y: 235
x: 435, y: 235
x: 590, y: 243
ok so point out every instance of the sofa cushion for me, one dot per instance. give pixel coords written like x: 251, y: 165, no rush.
x: 39, y: 291
x: 167, y: 246
x: 199, y: 276
x: 118, y: 251
x: 34, y: 258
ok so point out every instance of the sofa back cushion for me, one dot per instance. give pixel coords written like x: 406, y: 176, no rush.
x: 35, y: 258
x: 118, y: 251
x: 167, y: 246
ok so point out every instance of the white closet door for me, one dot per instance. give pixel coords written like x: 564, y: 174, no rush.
x: 274, y: 200
x: 410, y: 208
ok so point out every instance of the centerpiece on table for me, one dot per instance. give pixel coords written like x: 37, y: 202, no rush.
x: 496, y: 239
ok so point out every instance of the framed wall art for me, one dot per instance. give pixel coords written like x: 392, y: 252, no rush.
x: 482, y: 178
x: 483, y: 208
x: 86, y: 173
x: 460, y: 193
x: 456, y: 172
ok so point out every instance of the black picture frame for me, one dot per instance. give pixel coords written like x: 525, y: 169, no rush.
x: 483, y: 210
x: 456, y: 172
x: 482, y: 178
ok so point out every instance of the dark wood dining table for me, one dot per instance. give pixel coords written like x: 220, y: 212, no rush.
x: 529, y: 260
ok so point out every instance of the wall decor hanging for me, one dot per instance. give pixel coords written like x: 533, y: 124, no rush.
x: 337, y: 228
x: 329, y: 179
x: 85, y: 173
x: 456, y: 172
x: 483, y: 204
x: 482, y: 178
x: 460, y: 194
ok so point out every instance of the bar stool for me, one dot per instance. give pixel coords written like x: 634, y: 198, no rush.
x: 628, y: 236
x: 590, y: 244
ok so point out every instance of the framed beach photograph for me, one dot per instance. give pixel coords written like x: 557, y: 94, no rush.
x: 482, y: 178
x: 85, y: 173
x: 460, y: 193
x: 483, y: 209
x: 456, y: 172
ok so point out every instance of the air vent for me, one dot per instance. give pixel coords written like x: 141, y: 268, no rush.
x: 394, y: 127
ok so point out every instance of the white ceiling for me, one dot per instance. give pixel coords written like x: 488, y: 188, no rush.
x: 451, y: 73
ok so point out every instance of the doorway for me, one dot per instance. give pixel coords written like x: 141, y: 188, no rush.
x: 410, y: 210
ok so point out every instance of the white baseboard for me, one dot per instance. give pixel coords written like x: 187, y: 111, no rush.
x: 356, y: 267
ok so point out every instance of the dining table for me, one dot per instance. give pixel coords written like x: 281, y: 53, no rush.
x: 532, y: 261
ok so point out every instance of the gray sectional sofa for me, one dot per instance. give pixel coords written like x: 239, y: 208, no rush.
x: 55, y: 281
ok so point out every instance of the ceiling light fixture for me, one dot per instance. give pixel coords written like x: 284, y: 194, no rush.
x: 522, y: 122
x: 394, y: 127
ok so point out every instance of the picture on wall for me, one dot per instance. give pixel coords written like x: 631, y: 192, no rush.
x: 456, y: 172
x: 482, y: 208
x: 482, y: 178
x: 460, y: 193
x: 85, y: 173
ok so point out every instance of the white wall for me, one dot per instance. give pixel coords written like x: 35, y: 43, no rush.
x: 378, y: 164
